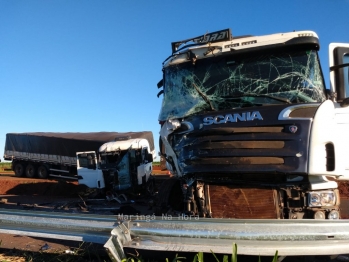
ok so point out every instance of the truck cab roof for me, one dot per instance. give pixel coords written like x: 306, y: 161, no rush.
x: 124, y: 145
x: 219, y: 43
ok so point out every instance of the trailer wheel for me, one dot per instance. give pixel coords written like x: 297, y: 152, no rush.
x: 18, y: 169
x: 42, y: 172
x: 30, y: 171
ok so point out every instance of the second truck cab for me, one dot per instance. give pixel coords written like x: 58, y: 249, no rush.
x: 118, y: 165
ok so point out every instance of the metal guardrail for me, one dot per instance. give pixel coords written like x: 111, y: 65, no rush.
x: 184, y: 234
x: 76, y: 227
x: 253, y: 237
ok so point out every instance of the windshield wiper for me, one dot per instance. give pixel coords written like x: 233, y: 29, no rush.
x: 285, y: 100
x: 204, y: 97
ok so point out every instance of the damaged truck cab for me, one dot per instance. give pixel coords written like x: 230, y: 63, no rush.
x: 119, y: 165
x: 249, y: 129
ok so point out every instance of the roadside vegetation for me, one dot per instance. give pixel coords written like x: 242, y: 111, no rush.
x: 5, y: 166
x: 156, y: 163
x: 199, y: 257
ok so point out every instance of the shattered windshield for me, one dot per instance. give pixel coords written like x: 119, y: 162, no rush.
x: 226, y: 82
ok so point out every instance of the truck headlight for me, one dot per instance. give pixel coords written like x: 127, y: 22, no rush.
x: 333, y: 215
x: 319, y: 215
x: 321, y: 198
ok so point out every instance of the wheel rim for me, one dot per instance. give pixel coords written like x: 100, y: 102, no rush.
x: 30, y: 171
x: 19, y: 170
x: 42, y: 172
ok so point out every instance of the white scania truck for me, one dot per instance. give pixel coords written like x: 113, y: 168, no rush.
x: 250, y: 130
x: 111, y: 160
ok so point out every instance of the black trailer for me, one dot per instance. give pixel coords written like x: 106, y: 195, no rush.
x: 43, y: 153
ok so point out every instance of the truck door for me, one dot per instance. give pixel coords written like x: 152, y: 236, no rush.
x: 144, y: 169
x: 88, y: 172
x: 339, y: 78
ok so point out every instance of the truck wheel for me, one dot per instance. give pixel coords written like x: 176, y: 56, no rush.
x: 30, y: 171
x: 42, y: 172
x: 18, y: 169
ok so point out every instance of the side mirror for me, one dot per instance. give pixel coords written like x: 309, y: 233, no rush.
x: 150, y: 158
x: 345, y: 102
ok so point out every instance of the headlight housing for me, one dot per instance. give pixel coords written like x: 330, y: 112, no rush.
x: 321, y: 198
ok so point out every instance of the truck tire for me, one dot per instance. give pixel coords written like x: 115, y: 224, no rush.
x: 42, y: 172
x: 30, y: 171
x: 18, y: 168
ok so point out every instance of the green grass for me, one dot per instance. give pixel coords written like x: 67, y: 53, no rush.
x: 199, y: 257
x: 5, y: 166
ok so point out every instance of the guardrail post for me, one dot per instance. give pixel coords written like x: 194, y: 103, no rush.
x: 114, y: 246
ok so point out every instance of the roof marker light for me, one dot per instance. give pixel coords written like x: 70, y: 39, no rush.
x: 249, y: 42
x: 305, y: 34
x: 232, y: 45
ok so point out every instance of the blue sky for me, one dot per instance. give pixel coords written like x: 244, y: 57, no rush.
x: 93, y: 65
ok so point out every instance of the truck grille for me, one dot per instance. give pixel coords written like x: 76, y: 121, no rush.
x: 264, y: 149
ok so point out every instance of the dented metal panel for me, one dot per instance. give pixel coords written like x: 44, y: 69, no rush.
x: 253, y: 237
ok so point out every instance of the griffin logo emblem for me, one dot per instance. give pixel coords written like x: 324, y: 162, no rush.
x: 293, y: 129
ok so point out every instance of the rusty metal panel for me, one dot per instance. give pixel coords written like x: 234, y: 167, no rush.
x: 243, y: 203
x: 343, y: 187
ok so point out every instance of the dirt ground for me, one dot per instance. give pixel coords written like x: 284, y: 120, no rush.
x: 52, y: 195
x: 31, y: 194
x: 11, y: 185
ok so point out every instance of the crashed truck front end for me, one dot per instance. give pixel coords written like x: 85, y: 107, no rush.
x: 242, y: 123
x: 236, y: 130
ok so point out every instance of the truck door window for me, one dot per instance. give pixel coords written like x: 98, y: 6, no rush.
x: 112, y: 158
x: 87, y: 161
